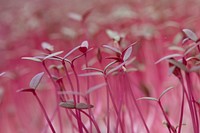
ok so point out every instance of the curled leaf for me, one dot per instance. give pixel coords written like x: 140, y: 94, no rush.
x: 36, y: 80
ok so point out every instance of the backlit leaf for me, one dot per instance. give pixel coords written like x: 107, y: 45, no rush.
x: 36, y: 80
x: 127, y: 53
x: 83, y: 106
x: 31, y: 58
x: 113, y: 49
x: 168, y: 57
x: 165, y: 91
x: 190, y: 34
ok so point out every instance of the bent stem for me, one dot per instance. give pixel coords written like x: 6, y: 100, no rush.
x: 45, y: 113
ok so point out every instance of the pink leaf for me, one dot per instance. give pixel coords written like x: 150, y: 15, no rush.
x: 190, y: 34
x: 31, y: 58
x: 113, y: 49
x: 36, y: 80
x: 168, y: 57
x: 1, y: 74
x: 47, y: 46
x: 165, y: 91
x: 26, y: 90
x: 148, y: 98
x: 91, y: 74
x: 53, y: 54
x: 84, y: 46
x: 127, y: 53
x: 70, y: 52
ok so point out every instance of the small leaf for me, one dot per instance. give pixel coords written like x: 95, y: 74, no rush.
x: 113, y: 35
x: 31, y: 58
x: 75, y: 16
x: 178, y: 64
x: 68, y: 104
x: 113, y: 49
x: 148, y: 98
x: 91, y: 74
x: 36, y: 80
x: 165, y: 91
x: 26, y: 90
x: 47, y: 46
x: 168, y: 57
x: 127, y: 53
x: 84, y: 46
x: 83, y: 106
x: 1, y: 74
x: 53, y: 54
x: 190, y: 49
x: 190, y: 34
x: 116, y: 68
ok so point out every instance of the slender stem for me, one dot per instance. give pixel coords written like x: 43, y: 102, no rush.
x: 135, y: 102
x: 45, y: 114
x: 182, y: 109
x: 192, y: 105
x: 57, y: 97
x: 114, y: 105
x: 95, y: 124
x: 74, y: 98
x: 169, y: 126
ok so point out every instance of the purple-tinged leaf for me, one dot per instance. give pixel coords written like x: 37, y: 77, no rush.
x: 31, y: 58
x: 95, y: 88
x: 113, y: 49
x: 127, y: 53
x: 165, y: 91
x: 53, y: 54
x: 1, y: 74
x: 68, y: 104
x: 36, y: 80
x: 26, y: 90
x: 148, y: 98
x: 83, y: 106
x: 168, y: 57
x: 190, y: 34
x: 84, y: 46
x: 178, y: 64
x: 116, y: 68
x: 70, y: 52
x: 177, y: 48
x: 91, y: 74
x: 47, y: 46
